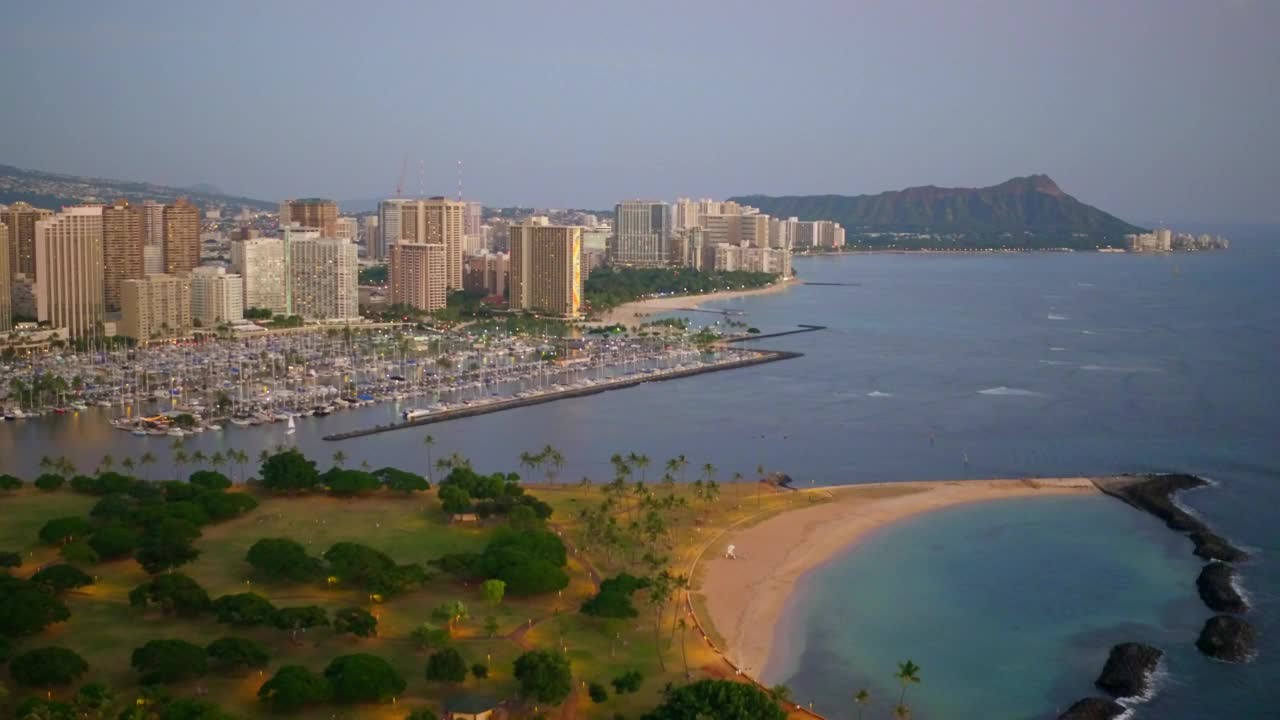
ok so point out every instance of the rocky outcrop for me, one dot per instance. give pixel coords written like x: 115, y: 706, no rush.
x: 1217, y: 588
x: 1211, y: 546
x: 1227, y: 638
x: 778, y: 479
x: 1154, y: 494
x: 1128, y: 669
x: 1093, y: 709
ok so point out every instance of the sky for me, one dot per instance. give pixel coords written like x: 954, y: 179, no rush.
x: 1152, y: 110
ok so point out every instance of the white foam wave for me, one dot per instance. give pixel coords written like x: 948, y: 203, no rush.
x: 1002, y: 390
x: 1156, y: 680
x: 877, y: 393
x: 1117, y: 368
x: 1056, y: 362
x: 1084, y: 284
x: 1088, y: 332
x: 1057, y: 349
x: 1052, y: 316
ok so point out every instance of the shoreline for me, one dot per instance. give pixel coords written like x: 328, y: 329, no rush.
x: 746, y: 599
x: 638, y: 311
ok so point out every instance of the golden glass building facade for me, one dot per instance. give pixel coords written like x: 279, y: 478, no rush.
x: 546, y: 268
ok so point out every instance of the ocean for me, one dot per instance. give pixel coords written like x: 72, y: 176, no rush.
x: 933, y: 367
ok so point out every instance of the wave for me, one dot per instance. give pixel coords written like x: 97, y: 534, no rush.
x: 1155, y: 681
x: 1116, y: 368
x: 1056, y: 362
x: 1088, y: 332
x: 877, y: 393
x: 1058, y: 317
x: 1002, y: 390
x: 1057, y: 349
x: 1084, y: 284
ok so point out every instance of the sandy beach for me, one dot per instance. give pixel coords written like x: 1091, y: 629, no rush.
x: 745, y: 598
x: 635, y: 312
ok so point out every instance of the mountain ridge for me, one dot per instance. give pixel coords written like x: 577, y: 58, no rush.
x: 55, y: 190
x: 1030, y: 211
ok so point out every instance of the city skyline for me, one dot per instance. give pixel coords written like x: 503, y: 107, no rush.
x: 1108, y: 100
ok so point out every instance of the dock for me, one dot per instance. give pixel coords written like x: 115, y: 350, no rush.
x: 760, y: 357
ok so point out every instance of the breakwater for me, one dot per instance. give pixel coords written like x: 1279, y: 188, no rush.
x: 759, y: 357
x: 803, y: 329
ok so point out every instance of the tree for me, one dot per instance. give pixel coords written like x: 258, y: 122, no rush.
x: 627, y: 682
x: 355, y: 621
x: 47, y: 667
x: 614, y: 598
x: 38, y: 708
x: 349, y: 483
x: 720, y: 699
x: 9, y: 482
x: 284, y: 560
x: 113, y: 541
x: 660, y: 589
x: 218, y: 505
x: 295, y: 619
x: 493, y: 590
x: 781, y: 694
x: 146, y: 459
x: 78, y: 552
x: 174, y: 594
x: 49, y: 482
x: 61, y: 578
x: 597, y: 693
x: 169, y: 661
x: 454, y: 500
x: 421, y: 714
x: 363, y: 678
x: 192, y: 709
x: 294, y: 687
x: 244, y: 609
x: 209, y: 479
x: 289, y: 471
x: 237, y: 654
x: 529, y: 562
x: 862, y: 697
x: 60, y: 531
x: 427, y: 636
x: 401, y: 481
x: 543, y: 676
x: 167, y: 545
x: 92, y: 699
x: 908, y: 674
x: 479, y: 671
x: 446, y: 665
x: 10, y: 560
x: 450, y: 613
x: 28, y: 608
x: 117, y: 507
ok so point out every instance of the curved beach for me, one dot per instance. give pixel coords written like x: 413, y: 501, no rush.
x: 745, y: 597
x: 639, y: 310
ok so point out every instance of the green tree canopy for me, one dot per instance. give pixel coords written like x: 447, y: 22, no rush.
x: 169, y: 661
x: 246, y: 609
x: 237, y: 654
x: 173, y: 593
x: 28, y: 608
x: 544, y: 676
x: 116, y: 507
x: 446, y: 665
x: 209, y: 480
x: 49, y: 482
x: 167, y: 545
x: 289, y: 471
x: 10, y: 560
x: 302, y: 617
x: 400, y: 480
x: 62, y: 530
x: 193, y: 709
x: 529, y: 562
x: 294, y: 687
x: 10, y: 482
x: 47, y: 667
x: 112, y: 542
x: 355, y: 621
x: 454, y: 500
x: 349, y: 483
x: 284, y: 560
x: 493, y: 590
x: 363, y: 678
x: 614, y: 598
x: 720, y: 699
x: 61, y: 578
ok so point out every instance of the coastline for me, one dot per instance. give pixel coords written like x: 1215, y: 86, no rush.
x: 746, y: 598
x: 639, y: 310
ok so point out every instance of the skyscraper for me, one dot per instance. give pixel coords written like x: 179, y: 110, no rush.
x: 546, y: 268
x: 6, y: 283
x: 437, y: 220
x: 347, y: 228
x: 389, y: 213
x: 122, y: 249
x: 323, y: 278
x: 181, y: 237
x: 68, y: 260
x: 155, y: 308
x: 20, y: 242
x: 418, y: 275
x: 216, y: 296
x: 260, y: 262
x: 153, y: 223
x: 314, y: 213
x: 369, y: 231
x: 641, y: 233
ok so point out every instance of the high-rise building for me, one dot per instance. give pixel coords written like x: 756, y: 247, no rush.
x: 152, y: 259
x: 217, y: 296
x: 641, y: 233
x: 437, y: 220
x: 68, y: 261
x: 472, y: 218
x: 347, y: 228
x: 6, y: 283
x: 487, y: 273
x: 314, y: 213
x: 369, y: 235
x: 20, y: 241
x: 685, y: 213
x: 260, y: 262
x: 122, y: 250
x: 389, y: 213
x: 323, y: 278
x: 155, y: 308
x: 418, y: 275
x: 153, y: 223
x: 181, y: 237
x: 546, y: 268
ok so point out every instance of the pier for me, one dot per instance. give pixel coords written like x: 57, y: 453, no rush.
x: 802, y: 329
x: 759, y: 358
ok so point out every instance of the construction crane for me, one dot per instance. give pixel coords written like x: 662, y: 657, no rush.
x: 404, y: 165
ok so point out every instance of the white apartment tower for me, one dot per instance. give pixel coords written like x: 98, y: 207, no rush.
x: 69, y: 270
x: 217, y: 296
x: 323, y: 278
x: 155, y: 308
x: 641, y: 233
x: 260, y: 263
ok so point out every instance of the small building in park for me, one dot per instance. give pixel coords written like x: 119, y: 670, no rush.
x: 474, y: 707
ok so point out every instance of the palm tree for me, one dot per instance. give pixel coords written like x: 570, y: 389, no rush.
x: 146, y: 459
x: 428, y: 442
x: 908, y: 673
x: 179, y: 459
x: 339, y: 458
x: 199, y: 458
x: 554, y: 459
x: 217, y: 459
x: 66, y: 467
x: 106, y: 463
x: 640, y: 461
x: 781, y: 694
x: 862, y: 697
x: 684, y: 652
x: 263, y: 456
x: 47, y: 463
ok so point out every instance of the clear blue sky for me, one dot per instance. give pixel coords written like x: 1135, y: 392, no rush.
x: 1168, y: 109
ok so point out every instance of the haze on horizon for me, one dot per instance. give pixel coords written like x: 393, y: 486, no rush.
x: 1148, y: 109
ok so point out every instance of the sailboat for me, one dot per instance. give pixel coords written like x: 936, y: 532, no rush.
x: 291, y: 428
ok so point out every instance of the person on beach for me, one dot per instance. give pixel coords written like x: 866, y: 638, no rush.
x: 728, y: 553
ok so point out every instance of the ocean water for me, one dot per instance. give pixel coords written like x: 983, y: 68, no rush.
x: 932, y: 367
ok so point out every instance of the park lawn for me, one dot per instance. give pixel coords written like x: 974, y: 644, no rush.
x: 24, y: 512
